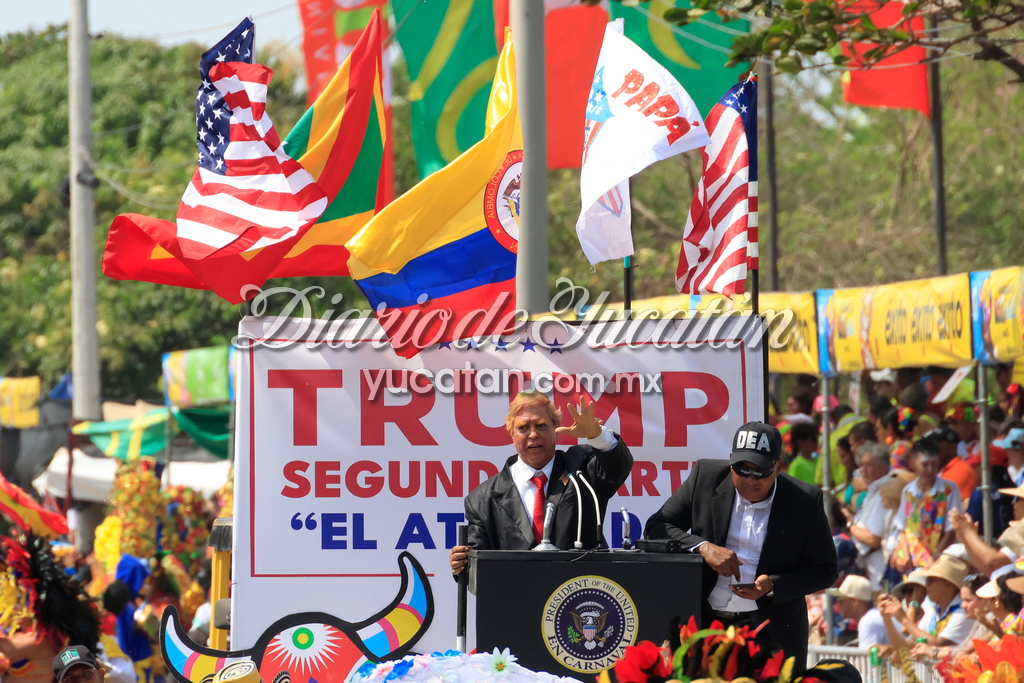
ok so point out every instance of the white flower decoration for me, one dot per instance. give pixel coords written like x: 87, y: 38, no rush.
x: 501, y: 664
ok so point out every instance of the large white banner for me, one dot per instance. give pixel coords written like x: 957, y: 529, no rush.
x: 337, y: 474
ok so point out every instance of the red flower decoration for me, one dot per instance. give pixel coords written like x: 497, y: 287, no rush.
x: 642, y: 661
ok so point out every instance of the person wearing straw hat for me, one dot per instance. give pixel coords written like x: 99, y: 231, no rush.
x: 944, y: 621
x: 856, y: 601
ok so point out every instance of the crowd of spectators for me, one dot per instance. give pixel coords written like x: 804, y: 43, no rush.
x: 905, y: 479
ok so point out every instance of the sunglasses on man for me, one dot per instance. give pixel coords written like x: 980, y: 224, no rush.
x: 746, y: 470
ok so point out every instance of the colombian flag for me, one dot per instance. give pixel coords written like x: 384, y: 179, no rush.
x: 16, y: 506
x: 442, y: 257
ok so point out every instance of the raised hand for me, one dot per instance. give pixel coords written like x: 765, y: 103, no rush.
x: 584, y: 425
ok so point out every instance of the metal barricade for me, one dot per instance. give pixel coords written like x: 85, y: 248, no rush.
x: 860, y: 658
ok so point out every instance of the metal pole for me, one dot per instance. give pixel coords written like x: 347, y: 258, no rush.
x: 773, y: 197
x: 460, y: 614
x: 986, y: 468
x: 85, y: 366
x: 168, y: 437
x: 527, y: 20
x: 627, y: 286
x: 940, y: 173
x: 826, y: 485
x: 755, y: 310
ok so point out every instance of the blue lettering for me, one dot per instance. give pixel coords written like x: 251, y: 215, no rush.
x: 331, y: 531
x: 451, y: 521
x: 359, y: 541
x: 415, y: 531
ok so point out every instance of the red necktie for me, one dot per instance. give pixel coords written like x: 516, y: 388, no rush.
x: 538, y: 506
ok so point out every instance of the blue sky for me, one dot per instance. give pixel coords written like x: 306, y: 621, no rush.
x: 169, y: 22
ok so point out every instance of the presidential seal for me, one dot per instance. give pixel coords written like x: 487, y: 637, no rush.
x: 588, y: 623
x: 501, y: 201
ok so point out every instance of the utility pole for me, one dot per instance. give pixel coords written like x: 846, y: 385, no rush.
x: 527, y: 21
x: 85, y: 367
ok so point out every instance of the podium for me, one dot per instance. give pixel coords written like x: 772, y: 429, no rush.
x: 573, y: 613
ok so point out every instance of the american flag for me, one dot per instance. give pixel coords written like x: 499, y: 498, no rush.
x: 246, y: 193
x: 720, y: 239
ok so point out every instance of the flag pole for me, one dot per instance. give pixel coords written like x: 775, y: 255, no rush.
x: 940, y: 161
x: 627, y: 286
x: 773, y: 197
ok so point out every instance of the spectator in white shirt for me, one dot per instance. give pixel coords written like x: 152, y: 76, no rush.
x: 868, y: 525
x: 944, y: 621
x: 856, y: 601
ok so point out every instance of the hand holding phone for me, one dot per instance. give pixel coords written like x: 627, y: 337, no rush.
x: 741, y: 586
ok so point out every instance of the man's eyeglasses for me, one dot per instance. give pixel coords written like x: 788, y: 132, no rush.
x: 79, y: 677
x: 747, y: 470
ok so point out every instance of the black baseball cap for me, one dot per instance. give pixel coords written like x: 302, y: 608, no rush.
x: 71, y: 656
x: 758, y: 443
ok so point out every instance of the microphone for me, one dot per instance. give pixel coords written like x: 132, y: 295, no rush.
x: 546, y: 545
x: 597, y: 511
x: 627, y: 541
x: 579, y: 511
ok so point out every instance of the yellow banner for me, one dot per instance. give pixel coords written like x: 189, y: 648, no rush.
x: 19, y: 397
x: 799, y: 355
x: 997, y: 309
x: 906, y: 324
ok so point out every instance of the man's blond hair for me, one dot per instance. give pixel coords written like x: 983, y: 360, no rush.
x: 525, y: 399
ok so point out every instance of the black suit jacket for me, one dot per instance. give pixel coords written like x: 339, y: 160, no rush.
x: 497, y: 518
x: 798, y: 552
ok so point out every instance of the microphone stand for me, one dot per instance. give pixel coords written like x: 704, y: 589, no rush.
x: 627, y: 536
x: 546, y: 545
x: 579, y: 511
x: 597, y: 511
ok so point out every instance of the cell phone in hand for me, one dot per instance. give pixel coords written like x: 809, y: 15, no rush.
x: 741, y: 586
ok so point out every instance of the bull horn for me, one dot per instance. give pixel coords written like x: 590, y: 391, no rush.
x: 188, y: 662
x: 397, y: 627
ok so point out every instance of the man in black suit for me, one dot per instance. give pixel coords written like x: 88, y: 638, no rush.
x: 506, y: 512
x: 765, y: 538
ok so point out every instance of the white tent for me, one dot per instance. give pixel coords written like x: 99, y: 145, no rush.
x: 92, y: 478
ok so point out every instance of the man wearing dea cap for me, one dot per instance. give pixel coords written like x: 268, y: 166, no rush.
x: 76, y: 664
x: 764, y: 537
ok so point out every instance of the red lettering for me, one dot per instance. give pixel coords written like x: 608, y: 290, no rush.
x: 643, y: 475
x: 434, y: 472
x: 293, y: 474
x: 675, y: 473
x: 480, y: 471
x: 372, y: 485
x: 304, y: 384
x: 634, y: 79
x: 677, y: 128
x: 467, y: 416
x: 623, y: 491
x: 395, y: 479
x: 679, y: 417
x: 375, y: 414
x: 621, y: 395
x: 328, y: 479
x: 645, y: 96
x: 663, y: 107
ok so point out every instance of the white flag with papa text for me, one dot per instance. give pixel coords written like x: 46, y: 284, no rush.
x: 637, y: 114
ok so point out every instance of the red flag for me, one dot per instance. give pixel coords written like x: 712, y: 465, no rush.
x: 572, y: 43
x: 904, y: 87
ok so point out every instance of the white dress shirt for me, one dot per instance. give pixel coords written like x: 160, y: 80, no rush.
x: 873, y: 517
x: 523, y: 473
x: 747, y: 527
x: 871, y: 630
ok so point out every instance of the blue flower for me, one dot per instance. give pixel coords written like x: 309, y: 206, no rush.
x: 399, y: 670
x: 366, y: 669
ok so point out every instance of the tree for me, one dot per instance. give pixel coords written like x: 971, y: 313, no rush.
x: 798, y: 29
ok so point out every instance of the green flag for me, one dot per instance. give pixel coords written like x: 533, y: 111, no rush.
x: 698, y: 68
x: 450, y: 51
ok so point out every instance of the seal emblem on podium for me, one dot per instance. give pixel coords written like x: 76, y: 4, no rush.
x: 588, y: 622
